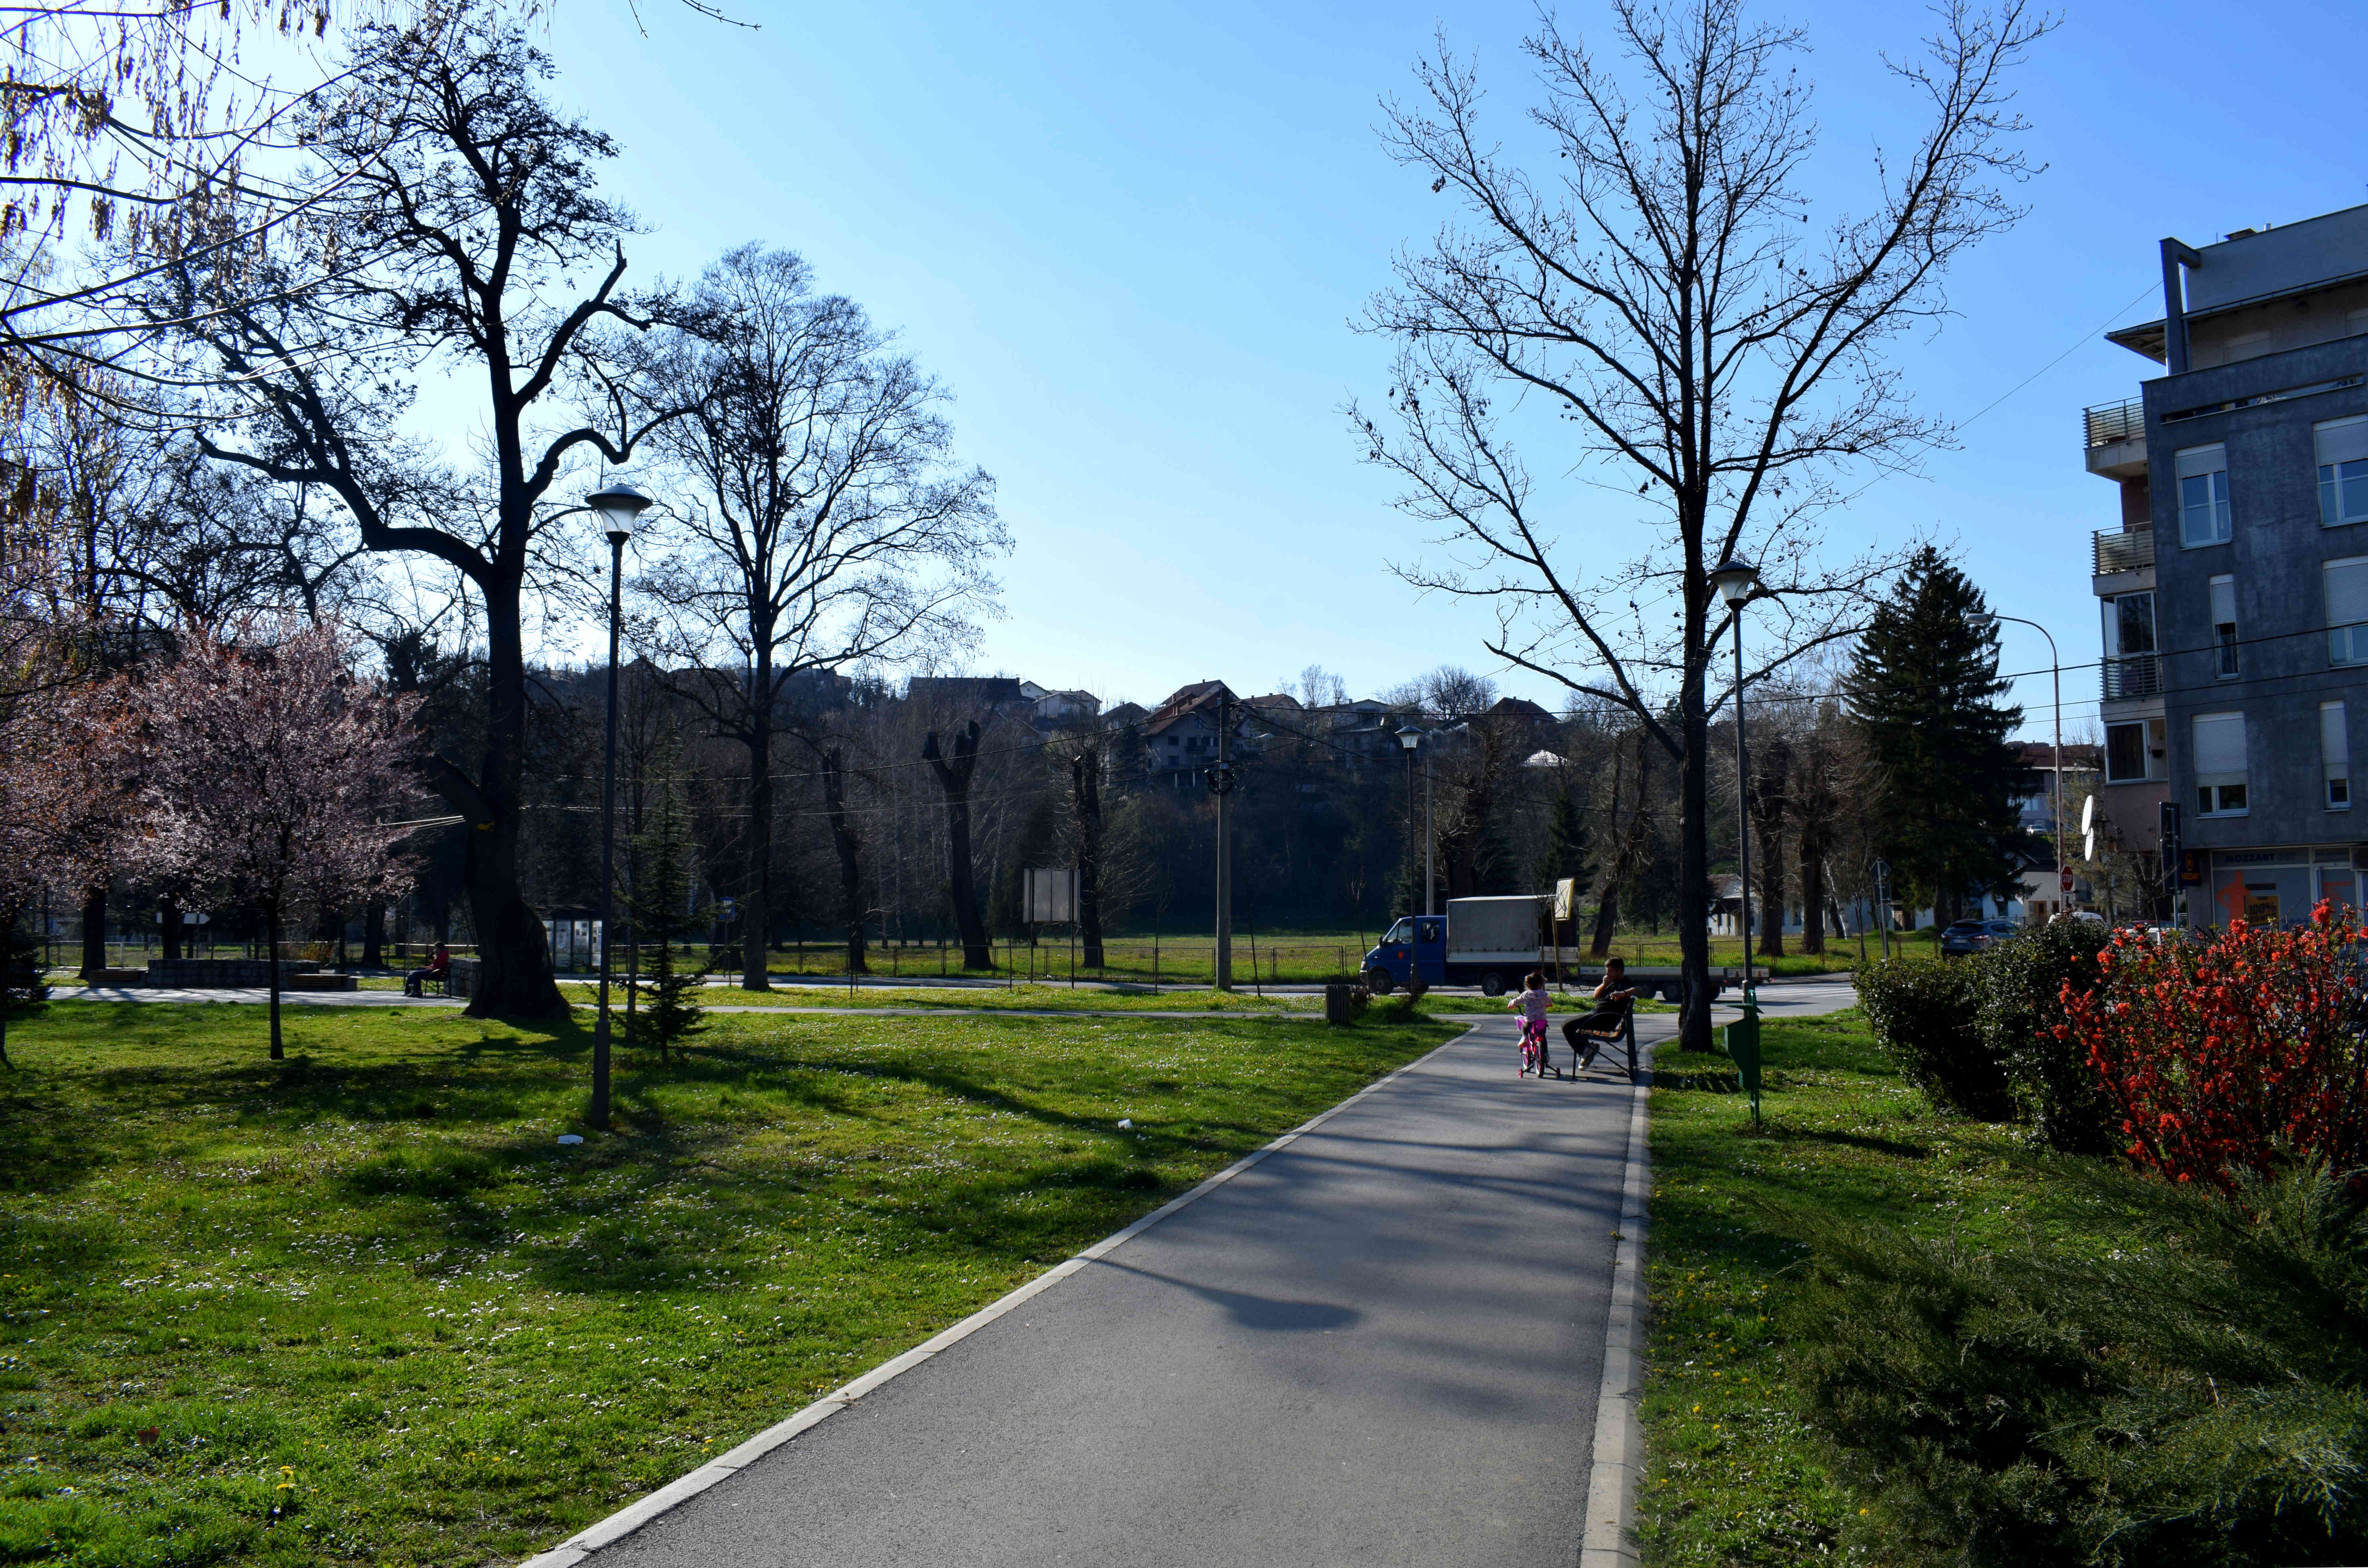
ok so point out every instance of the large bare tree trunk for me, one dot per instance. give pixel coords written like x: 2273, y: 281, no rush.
x: 849, y: 846
x: 1086, y: 799
x: 756, y: 902
x: 1771, y: 765
x: 94, y: 930
x: 954, y: 778
x: 514, y: 972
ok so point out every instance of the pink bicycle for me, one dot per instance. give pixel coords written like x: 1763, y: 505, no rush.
x: 1533, y: 1047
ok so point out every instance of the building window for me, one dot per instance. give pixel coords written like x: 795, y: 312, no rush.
x: 2335, y: 755
x: 2203, y: 516
x: 2223, y: 624
x: 2130, y: 668
x: 2346, y: 610
x: 2134, y: 752
x: 2220, y: 764
x: 2343, y: 445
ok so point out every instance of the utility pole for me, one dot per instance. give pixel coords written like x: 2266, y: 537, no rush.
x: 1430, y: 840
x: 1221, y: 784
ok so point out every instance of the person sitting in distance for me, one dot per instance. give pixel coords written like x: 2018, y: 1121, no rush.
x: 415, y: 983
x: 1612, y: 999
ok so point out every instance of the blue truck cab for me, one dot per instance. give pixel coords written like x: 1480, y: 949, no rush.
x: 1416, y: 948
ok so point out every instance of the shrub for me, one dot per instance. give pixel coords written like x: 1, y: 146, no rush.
x: 2055, y: 1087
x: 1924, y: 1016
x: 2231, y: 1056
x: 2194, y: 1398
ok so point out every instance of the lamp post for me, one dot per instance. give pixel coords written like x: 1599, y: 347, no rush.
x: 1411, y: 739
x: 1736, y: 581
x: 617, y: 505
x: 1983, y: 620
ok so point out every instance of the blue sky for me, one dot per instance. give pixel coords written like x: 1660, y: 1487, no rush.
x: 1131, y: 241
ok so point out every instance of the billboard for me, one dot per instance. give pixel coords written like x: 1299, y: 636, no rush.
x: 1051, y: 895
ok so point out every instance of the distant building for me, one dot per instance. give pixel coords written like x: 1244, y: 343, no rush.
x: 966, y: 694
x: 1180, y: 738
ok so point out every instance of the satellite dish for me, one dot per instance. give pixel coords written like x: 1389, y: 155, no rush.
x: 2089, y: 816
x: 2088, y: 844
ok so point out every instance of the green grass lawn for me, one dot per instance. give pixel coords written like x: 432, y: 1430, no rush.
x: 361, y: 1307
x: 1733, y: 1477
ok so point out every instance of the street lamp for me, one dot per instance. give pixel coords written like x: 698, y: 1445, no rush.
x: 1411, y: 738
x: 617, y: 505
x: 1985, y: 620
x: 1735, y: 581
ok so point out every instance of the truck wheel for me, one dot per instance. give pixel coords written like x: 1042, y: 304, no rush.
x: 1492, y: 984
x: 1377, y: 980
x: 1673, y: 991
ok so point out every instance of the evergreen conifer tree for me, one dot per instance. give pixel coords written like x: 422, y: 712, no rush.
x: 660, y: 903
x: 1566, y: 845
x: 1924, y: 686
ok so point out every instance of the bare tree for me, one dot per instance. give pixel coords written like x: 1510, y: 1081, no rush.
x: 1665, y: 298
x: 468, y: 226
x: 831, y: 526
x: 954, y: 778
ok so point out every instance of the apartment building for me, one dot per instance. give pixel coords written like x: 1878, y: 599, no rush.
x: 2235, y: 592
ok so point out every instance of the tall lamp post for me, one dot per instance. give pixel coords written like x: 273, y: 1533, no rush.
x: 1983, y: 620
x: 1736, y: 581
x: 617, y: 505
x: 1411, y: 739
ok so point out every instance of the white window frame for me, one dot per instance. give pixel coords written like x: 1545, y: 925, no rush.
x: 2340, y: 447
x: 2346, y: 641
x: 2214, y: 789
x: 2207, y: 468
x: 2334, y: 757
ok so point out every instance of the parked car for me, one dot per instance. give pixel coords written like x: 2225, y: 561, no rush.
x: 1975, y: 936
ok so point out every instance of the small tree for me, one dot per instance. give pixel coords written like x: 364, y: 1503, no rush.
x: 661, y: 905
x: 270, y: 772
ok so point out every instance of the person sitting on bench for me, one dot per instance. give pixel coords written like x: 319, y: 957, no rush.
x: 415, y: 983
x: 1613, y: 1000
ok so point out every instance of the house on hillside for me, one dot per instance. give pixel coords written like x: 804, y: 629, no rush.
x: 1179, y: 739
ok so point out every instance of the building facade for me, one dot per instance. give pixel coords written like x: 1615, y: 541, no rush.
x: 2235, y: 592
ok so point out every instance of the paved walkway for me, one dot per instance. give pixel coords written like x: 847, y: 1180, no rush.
x: 1379, y: 1346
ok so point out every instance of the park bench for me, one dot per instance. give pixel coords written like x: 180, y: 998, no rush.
x: 1625, y: 1035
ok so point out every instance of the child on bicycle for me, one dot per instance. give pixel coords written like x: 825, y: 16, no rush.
x: 1531, y: 1005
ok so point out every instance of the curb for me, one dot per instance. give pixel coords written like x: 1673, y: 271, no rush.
x: 626, y: 1520
x: 1618, y: 1462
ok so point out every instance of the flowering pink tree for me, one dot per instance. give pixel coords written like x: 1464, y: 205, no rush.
x: 271, y: 770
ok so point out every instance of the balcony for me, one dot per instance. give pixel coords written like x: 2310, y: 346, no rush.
x: 2115, y: 436
x: 2110, y: 423
x: 2139, y: 677
x: 2124, y: 552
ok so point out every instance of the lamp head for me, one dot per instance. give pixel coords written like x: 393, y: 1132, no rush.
x: 1982, y: 621
x: 617, y: 505
x: 1409, y: 737
x: 1735, y: 579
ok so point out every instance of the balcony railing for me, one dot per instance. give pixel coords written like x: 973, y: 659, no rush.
x: 2124, y: 551
x: 2140, y: 677
x: 2110, y: 421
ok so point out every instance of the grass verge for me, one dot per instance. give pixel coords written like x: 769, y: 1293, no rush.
x: 361, y: 1307
x: 1734, y: 1476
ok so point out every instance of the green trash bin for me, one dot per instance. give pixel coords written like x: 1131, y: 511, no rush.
x: 1743, y: 1050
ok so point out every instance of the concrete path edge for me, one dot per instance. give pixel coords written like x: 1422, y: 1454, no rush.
x: 1618, y: 1462
x: 633, y: 1516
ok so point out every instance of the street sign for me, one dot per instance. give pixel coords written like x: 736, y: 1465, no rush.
x: 2067, y: 878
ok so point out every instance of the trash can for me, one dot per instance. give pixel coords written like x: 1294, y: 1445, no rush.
x: 1743, y: 1050
x: 1342, y: 1001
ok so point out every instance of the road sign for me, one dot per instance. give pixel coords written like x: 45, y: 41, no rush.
x: 2067, y: 879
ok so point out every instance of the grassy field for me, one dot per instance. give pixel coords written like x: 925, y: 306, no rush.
x: 1733, y: 1477
x: 361, y: 1307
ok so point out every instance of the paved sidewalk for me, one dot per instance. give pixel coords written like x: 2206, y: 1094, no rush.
x: 1381, y: 1346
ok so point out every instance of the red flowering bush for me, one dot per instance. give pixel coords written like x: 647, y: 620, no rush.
x: 2222, y: 1057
